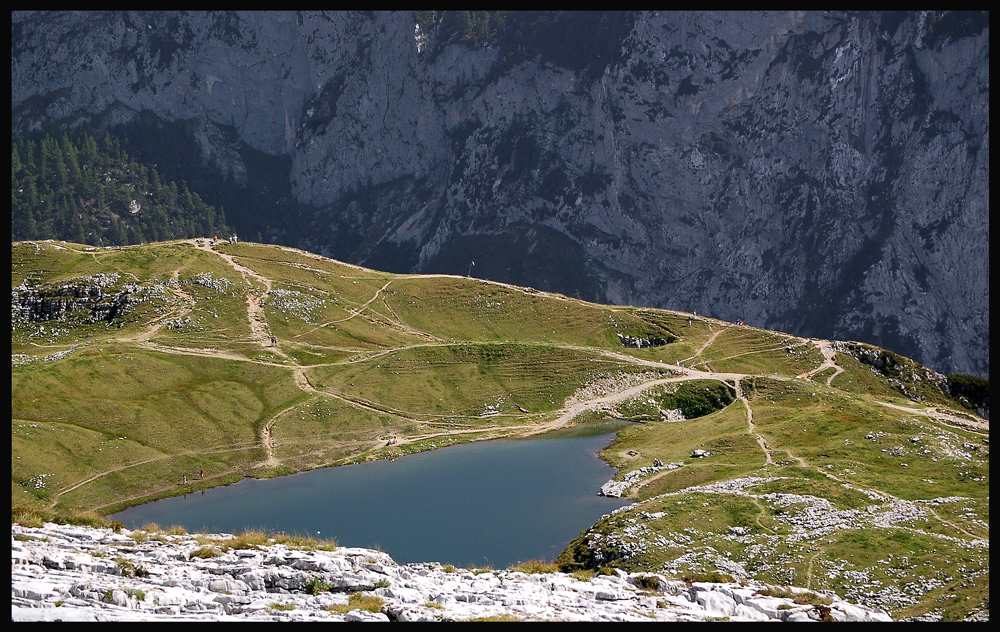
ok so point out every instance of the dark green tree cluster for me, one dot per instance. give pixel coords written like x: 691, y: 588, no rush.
x: 89, y: 190
x: 696, y: 400
x: 974, y: 390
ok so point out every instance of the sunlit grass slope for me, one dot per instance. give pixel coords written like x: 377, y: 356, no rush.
x: 786, y: 460
x: 889, y: 507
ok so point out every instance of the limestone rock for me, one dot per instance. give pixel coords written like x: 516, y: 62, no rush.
x: 177, y: 587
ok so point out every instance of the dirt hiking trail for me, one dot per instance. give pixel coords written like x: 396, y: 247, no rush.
x: 260, y: 287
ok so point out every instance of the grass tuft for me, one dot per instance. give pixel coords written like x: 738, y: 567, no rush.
x: 359, y: 601
x: 535, y: 567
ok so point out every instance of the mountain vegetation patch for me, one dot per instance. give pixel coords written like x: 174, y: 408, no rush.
x: 746, y: 453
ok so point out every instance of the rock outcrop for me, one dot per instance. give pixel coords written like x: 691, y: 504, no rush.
x: 70, y: 573
x: 821, y: 173
x: 615, y: 489
x: 96, y: 296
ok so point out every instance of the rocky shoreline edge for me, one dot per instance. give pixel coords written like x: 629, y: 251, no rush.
x: 79, y: 573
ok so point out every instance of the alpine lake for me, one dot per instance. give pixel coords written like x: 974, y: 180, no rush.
x: 482, y: 504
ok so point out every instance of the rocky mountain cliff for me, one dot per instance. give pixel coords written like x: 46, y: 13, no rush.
x: 824, y: 174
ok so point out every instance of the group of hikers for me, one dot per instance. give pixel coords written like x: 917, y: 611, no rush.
x: 694, y: 317
x: 201, y: 472
x: 738, y: 321
x: 232, y: 239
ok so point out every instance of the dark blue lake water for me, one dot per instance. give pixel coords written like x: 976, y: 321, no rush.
x: 489, y: 503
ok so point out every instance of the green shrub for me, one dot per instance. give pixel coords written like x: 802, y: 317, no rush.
x: 315, y: 586
x: 975, y: 390
x: 128, y: 569
x: 137, y: 593
x: 648, y: 582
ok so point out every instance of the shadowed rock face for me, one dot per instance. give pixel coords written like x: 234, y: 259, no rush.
x: 818, y: 173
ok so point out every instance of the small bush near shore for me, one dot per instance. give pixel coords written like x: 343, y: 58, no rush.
x: 535, y: 567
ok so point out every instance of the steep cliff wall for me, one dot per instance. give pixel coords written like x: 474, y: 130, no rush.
x: 819, y: 173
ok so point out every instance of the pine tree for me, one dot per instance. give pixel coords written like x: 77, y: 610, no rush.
x: 69, y: 153
x: 15, y: 163
x: 78, y: 234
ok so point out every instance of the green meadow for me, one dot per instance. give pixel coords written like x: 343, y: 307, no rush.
x: 132, y: 369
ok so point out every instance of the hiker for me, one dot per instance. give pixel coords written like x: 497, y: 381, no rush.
x: 203, y: 473
x: 185, y: 479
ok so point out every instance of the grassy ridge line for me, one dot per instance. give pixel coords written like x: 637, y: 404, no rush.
x: 374, y: 365
x: 200, y: 300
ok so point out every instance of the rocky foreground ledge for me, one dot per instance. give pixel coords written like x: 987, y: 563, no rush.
x: 73, y: 573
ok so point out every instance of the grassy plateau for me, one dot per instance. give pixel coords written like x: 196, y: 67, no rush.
x: 749, y: 454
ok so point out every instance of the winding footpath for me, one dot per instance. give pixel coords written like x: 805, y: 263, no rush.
x: 750, y: 427
x: 260, y: 330
x: 57, y: 577
x: 829, y: 360
x: 261, y: 333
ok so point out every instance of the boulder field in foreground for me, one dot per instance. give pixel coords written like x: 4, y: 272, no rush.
x: 73, y: 573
